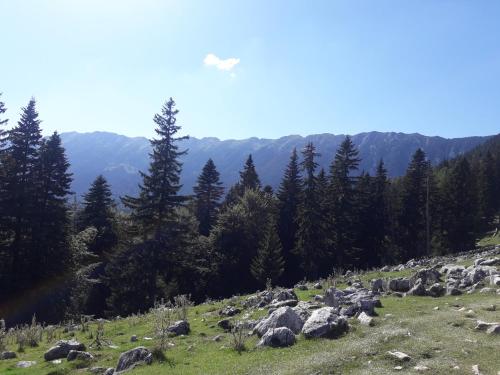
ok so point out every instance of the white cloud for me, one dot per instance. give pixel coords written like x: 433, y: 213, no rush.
x: 227, y: 64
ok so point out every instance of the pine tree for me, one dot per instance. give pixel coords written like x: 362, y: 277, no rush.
x: 53, y: 185
x: 208, y: 193
x: 488, y: 190
x: 20, y: 191
x: 459, y: 208
x: 289, y: 197
x: 3, y: 122
x: 268, y: 264
x: 158, y: 197
x: 342, y: 202
x: 98, y: 206
x: 416, y: 203
x: 380, y: 211
x: 311, y: 240
x: 249, y: 179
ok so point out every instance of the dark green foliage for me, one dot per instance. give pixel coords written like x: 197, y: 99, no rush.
x: 268, y: 264
x: 488, y: 189
x: 416, y: 205
x: 342, y: 204
x: 289, y: 197
x: 208, y: 193
x: 311, y: 233
x: 3, y: 122
x: 158, y: 199
x: 97, y: 212
x: 459, y: 213
x: 249, y: 178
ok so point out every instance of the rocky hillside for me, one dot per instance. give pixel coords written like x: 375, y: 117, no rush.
x: 120, y: 158
x: 437, y: 316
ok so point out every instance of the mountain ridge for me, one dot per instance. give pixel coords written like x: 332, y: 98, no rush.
x: 119, y: 158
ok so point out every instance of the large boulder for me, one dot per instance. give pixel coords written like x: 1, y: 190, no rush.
x: 333, y: 297
x: 399, y: 285
x: 180, y: 327
x: 427, y: 276
x: 418, y: 289
x: 229, y: 311
x: 436, y: 290
x: 278, y: 338
x: 131, y: 357
x: 325, y: 322
x: 282, y: 317
x: 284, y: 295
x: 62, y: 349
x: 377, y: 285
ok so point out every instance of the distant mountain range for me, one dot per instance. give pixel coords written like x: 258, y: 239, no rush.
x: 120, y: 158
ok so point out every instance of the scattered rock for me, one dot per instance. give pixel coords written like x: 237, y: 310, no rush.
x: 493, y: 330
x: 325, y: 322
x: 301, y: 287
x: 418, y: 289
x: 278, y: 304
x: 282, y: 317
x: 399, y: 285
x: 80, y: 355
x: 365, y: 320
x: 180, y: 327
x: 131, y: 357
x: 229, y: 311
x: 133, y: 338
x: 318, y: 286
x: 62, y: 348
x: 421, y: 368
x: 25, y: 364
x: 475, y: 370
x: 7, y: 355
x: 377, y: 285
x: 218, y: 338
x: 109, y: 371
x: 277, y: 337
x: 436, y: 290
x: 400, y: 356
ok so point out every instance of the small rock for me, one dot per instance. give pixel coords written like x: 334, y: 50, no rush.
x: 400, y: 356
x: 225, y: 324
x: 493, y: 330
x: 421, y: 368
x: 398, y: 368
x: 365, y: 320
x: 229, y: 311
x: 475, y: 370
x: 133, y: 356
x: 133, y: 338
x: 25, y: 364
x: 109, y: 371
x: 301, y: 286
x: 7, y: 355
x: 470, y: 313
x: 217, y: 338
x: 318, y: 286
x: 180, y: 327
x: 56, y: 361
x: 82, y: 356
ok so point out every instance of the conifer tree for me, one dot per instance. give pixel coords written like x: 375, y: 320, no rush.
x: 380, y: 210
x: 158, y: 197
x: 249, y: 179
x: 311, y: 240
x: 416, y: 201
x: 487, y: 189
x: 208, y: 192
x: 268, y: 264
x: 342, y: 201
x: 97, y: 212
x: 289, y: 197
x: 459, y: 208
x: 51, y: 228
x: 3, y: 122
x: 20, y: 190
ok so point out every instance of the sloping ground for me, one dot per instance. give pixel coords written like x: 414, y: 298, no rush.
x: 437, y: 333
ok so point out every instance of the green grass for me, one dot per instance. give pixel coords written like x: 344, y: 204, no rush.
x: 490, y: 240
x: 439, y: 339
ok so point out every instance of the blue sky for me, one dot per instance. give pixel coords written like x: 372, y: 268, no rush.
x: 274, y: 67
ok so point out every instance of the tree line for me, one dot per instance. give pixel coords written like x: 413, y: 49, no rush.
x: 61, y: 259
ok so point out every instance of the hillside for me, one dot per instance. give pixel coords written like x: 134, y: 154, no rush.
x: 445, y: 322
x: 119, y: 158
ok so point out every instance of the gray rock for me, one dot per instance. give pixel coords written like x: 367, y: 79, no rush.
x: 277, y: 337
x: 225, y: 324
x: 325, y: 322
x: 229, y: 311
x: 278, y: 304
x: 436, y: 290
x: 81, y: 356
x: 333, y: 297
x: 318, y: 286
x: 495, y: 280
x: 301, y: 286
x: 453, y: 291
x: 285, y: 295
x: 494, y: 330
x: 7, y: 355
x: 365, y: 320
x: 399, y: 285
x: 418, y: 289
x: 427, y: 276
x: 282, y: 317
x: 487, y: 290
x: 25, y: 364
x: 62, y: 349
x: 400, y: 356
x: 377, y: 285
x: 131, y: 357
x: 385, y: 269
x: 109, y: 371
x: 180, y: 327
x: 133, y: 338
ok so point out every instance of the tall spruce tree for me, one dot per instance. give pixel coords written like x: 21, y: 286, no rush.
x: 342, y: 202
x: 249, y: 179
x: 208, y: 193
x: 459, y: 214
x: 311, y: 240
x: 289, y: 197
x: 3, y: 122
x: 20, y: 192
x: 50, y: 237
x: 97, y: 212
x: 380, y: 212
x: 158, y: 198
x: 487, y: 189
x: 416, y: 204
x: 268, y: 264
